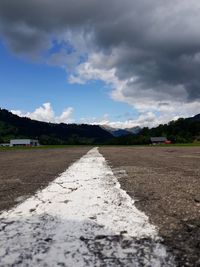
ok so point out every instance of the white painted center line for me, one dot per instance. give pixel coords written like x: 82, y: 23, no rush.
x: 83, y: 218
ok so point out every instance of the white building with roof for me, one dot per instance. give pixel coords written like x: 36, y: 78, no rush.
x: 24, y: 142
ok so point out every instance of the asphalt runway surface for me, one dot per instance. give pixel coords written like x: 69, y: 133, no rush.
x: 124, y: 206
x: 165, y: 184
x: 24, y: 171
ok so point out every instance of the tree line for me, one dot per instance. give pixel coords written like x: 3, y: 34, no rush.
x: 178, y: 131
x: 13, y: 126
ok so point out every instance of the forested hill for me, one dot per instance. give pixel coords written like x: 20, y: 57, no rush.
x: 178, y: 131
x: 13, y: 126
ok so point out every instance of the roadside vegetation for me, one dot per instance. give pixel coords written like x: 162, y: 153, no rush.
x: 15, y: 127
x: 180, y: 132
x: 43, y: 147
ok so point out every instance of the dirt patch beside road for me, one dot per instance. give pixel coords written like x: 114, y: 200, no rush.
x: 165, y: 182
x: 23, y: 172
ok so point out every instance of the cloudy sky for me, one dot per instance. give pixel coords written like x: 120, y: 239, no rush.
x: 116, y: 62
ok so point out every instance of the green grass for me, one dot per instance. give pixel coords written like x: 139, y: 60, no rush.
x: 170, y: 145
x: 74, y: 146
x: 179, y: 145
x: 42, y: 147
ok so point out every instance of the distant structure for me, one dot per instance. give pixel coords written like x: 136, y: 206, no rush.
x: 159, y: 140
x: 5, y: 144
x: 24, y: 142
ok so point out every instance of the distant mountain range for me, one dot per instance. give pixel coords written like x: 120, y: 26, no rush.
x: 178, y: 131
x: 121, y: 132
x: 195, y: 118
x: 13, y: 126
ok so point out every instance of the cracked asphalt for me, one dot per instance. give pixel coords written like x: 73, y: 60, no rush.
x: 82, y: 218
x: 165, y: 183
x: 23, y: 172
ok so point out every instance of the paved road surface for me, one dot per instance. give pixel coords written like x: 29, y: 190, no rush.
x: 83, y: 218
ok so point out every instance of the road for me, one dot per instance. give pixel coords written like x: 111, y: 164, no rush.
x: 82, y: 218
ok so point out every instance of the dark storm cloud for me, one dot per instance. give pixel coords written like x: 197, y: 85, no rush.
x: 156, y: 41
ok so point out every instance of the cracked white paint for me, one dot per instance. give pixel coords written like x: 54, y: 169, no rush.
x: 83, y: 218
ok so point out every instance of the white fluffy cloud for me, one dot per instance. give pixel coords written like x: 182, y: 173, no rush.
x: 47, y: 114
x: 155, y: 107
x: 147, y: 51
x: 148, y: 118
x: 145, y: 119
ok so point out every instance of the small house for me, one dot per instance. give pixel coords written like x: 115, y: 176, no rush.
x: 159, y: 140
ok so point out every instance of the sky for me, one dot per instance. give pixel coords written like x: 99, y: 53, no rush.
x: 123, y: 63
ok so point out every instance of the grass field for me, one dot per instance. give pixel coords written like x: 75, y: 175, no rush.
x: 42, y: 147
x: 71, y: 146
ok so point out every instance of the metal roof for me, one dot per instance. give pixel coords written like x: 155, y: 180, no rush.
x: 22, y: 141
x: 158, y: 139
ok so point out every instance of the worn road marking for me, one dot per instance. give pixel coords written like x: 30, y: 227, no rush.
x: 83, y: 218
